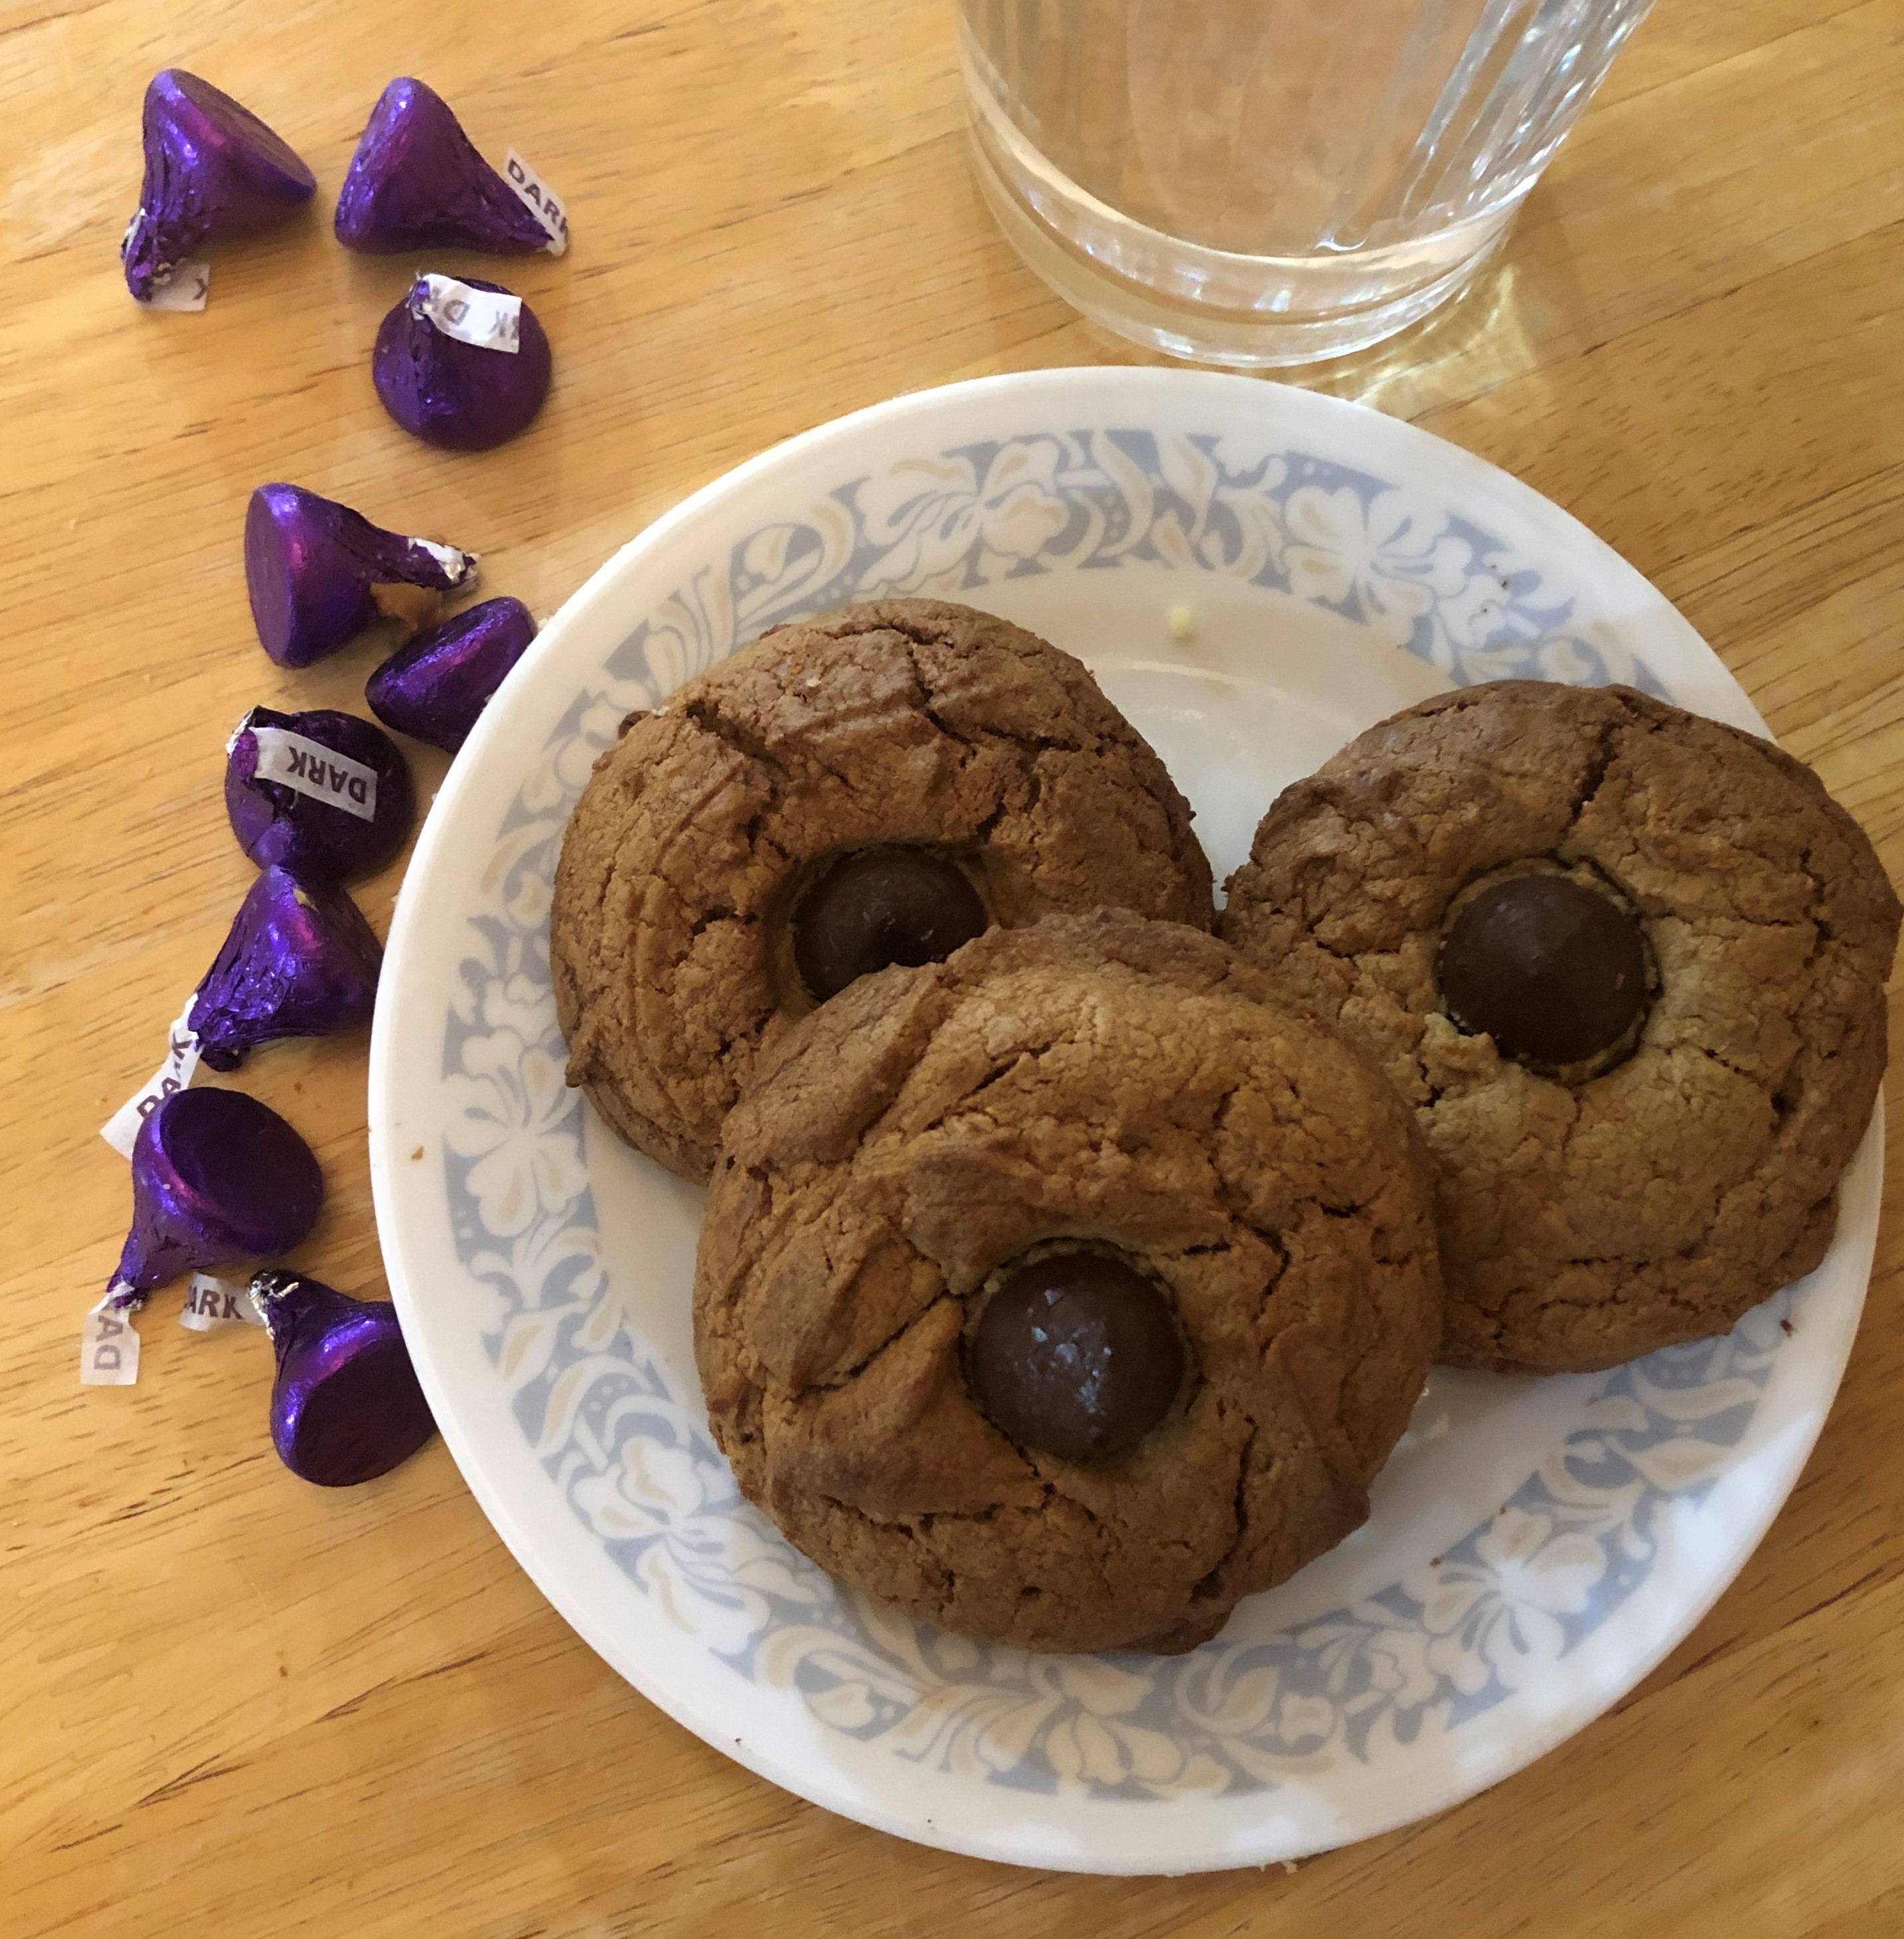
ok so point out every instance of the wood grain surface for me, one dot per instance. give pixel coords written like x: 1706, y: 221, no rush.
x: 230, y: 1703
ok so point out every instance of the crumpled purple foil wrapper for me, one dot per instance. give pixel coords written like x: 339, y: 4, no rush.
x: 462, y: 396
x: 213, y: 169
x: 345, y: 1406
x: 319, y: 573
x: 313, y: 839
x: 300, y: 961
x: 216, y: 1178
x: 434, y: 689
x: 417, y: 182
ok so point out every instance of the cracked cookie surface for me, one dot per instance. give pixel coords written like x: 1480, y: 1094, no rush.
x: 1107, y: 1084
x: 1591, y: 1215
x: 909, y: 722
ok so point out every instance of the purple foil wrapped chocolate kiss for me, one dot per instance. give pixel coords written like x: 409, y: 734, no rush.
x: 434, y: 689
x: 213, y: 169
x: 319, y: 574
x: 300, y: 961
x: 218, y: 1178
x: 345, y: 1406
x: 321, y: 793
x: 417, y: 182
x: 460, y: 396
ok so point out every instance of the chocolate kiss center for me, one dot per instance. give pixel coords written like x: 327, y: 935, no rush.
x: 1075, y: 1355
x: 1554, y: 971
x: 878, y: 907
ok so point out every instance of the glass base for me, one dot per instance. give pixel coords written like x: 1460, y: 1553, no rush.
x: 1251, y: 313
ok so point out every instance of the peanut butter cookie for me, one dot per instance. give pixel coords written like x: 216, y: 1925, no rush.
x: 876, y: 785
x: 1626, y: 964
x: 1066, y: 1291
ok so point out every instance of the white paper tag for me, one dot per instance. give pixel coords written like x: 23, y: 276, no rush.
x: 211, y: 1304
x: 185, y: 288
x: 539, y: 199
x: 460, y: 566
x: 108, y: 1349
x: 487, y: 318
x: 176, y: 1073
x: 309, y: 768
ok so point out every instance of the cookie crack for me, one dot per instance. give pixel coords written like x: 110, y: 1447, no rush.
x: 1207, y: 1585
x: 1693, y: 1251
x: 926, y: 699
x: 915, y: 635
x: 706, y: 713
x: 997, y: 1074
x: 1239, y: 1216
x: 1769, y: 1089
x: 834, y: 1383
x: 1822, y: 932
x: 1605, y: 752
x: 982, y: 833
x: 1596, y: 1301
x: 923, y: 1522
x: 1315, y: 936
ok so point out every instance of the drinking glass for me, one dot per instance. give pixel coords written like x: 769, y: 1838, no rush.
x: 1261, y: 182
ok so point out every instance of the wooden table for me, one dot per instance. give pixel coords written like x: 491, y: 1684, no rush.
x: 231, y: 1704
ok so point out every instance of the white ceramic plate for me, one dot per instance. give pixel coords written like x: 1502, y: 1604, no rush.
x: 1535, y: 1546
